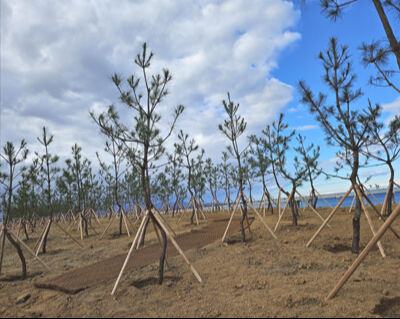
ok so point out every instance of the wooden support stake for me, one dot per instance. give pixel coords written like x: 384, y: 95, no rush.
x: 165, y: 223
x: 318, y: 193
x: 129, y: 253
x: 385, y: 201
x: 371, y: 225
x: 279, y: 203
x: 28, y: 249
x: 39, y: 239
x: 81, y: 224
x: 352, y: 204
x: 172, y: 239
x: 108, y: 226
x: 68, y: 234
x: 126, y: 224
x: 159, y: 240
x: 262, y: 219
x: 364, y: 253
x: 379, y: 215
x: 42, y: 239
x: 373, y: 196
x: 329, y: 217
x: 230, y: 220
x: 312, y: 208
x: 284, y: 209
x: 127, y: 219
x: 142, y: 230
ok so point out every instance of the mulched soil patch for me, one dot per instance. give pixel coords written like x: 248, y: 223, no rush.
x: 92, y: 275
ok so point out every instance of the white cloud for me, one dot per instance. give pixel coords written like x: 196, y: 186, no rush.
x: 57, y: 58
x: 393, y: 106
x: 306, y: 127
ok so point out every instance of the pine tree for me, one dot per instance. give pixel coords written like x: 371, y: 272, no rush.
x: 187, y: 149
x: 47, y: 172
x: 344, y: 126
x: 233, y: 127
x: 13, y: 157
x: 145, y: 135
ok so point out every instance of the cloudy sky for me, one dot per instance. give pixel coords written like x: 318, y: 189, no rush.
x: 57, y: 58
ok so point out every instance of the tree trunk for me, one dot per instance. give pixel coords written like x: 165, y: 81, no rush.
x: 163, y: 250
x: 390, y: 193
x: 394, y: 44
x: 45, y: 237
x: 244, y: 214
x: 293, y: 206
x: 355, y: 248
x: 19, y: 251
x: 120, y: 222
x: 25, y: 230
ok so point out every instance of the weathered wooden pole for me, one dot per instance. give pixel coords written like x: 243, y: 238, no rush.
x: 364, y: 253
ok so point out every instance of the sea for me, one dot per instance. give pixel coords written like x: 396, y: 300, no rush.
x: 333, y: 200
x: 323, y: 201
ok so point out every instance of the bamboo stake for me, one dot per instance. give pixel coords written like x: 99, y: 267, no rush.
x: 80, y: 225
x: 312, y: 208
x: 159, y: 241
x: 262, y: 219
x: 127, y: 218
x: 329, y: 217
x: 379, y: 215
x: 108, y: 226
x: 43, y: 236
x: 171, y: 238
x: 196, y: 215
x: 28, y: 249
x: 386, y: 200
x: 352, y: 204
x: 184, y: 210
x: 200, y: 209
x: 230, y: 220
x: 371, y: 225
x: 126, y: 224
x: 129, y: 254
x: 39, y: 239
x: 319, y: 194
x: 373, y: 196
x: 142, y: 230
x: 261, y: 201
x: 364, y: 253
x: 279, y: 203
x: 166, y: 223
x: 63, y: 230
x: 284, y: 209
x: 95, y: 216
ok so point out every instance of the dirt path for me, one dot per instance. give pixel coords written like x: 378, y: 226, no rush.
x: 92, y: 275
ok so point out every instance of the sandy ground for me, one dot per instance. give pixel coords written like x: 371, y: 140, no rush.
x: 262, y: 278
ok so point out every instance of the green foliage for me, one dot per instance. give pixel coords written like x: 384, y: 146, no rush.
x: 12, y: 157
x: 143, y: 144
x: 186, y: 150
x: 344, y: 125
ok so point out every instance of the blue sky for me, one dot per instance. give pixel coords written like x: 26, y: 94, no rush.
x: 358, y: 24
x: 56, y: 60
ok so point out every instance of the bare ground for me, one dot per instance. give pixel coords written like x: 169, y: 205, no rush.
x: 262, y: 278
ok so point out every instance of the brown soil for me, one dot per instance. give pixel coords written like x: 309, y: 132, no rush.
x: 262, y: 278
x: 108, y: 269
